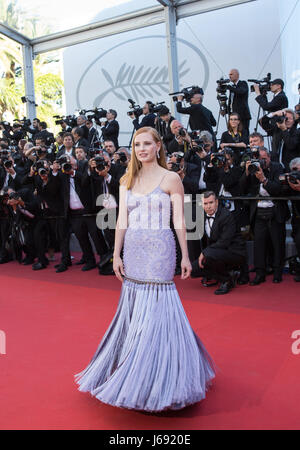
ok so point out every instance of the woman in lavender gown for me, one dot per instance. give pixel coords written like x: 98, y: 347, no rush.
x: 149, y: 359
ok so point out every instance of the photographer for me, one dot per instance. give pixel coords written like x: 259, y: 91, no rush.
x: 23, y: 211
x: 181, y: 139
x: 280, y: 100
x: 110, y: 127
x: 33, y: 131
x: 256, y: 140
x: 110, y: 148
x: 282, y: 126
x: 80, y: 209
x: 163, y: 126
x: 44, y: 134
x: 148, y: 119
x: 93, y: 136
x: 16, y: 134
x: 8, y: 175
x: 81, y: 123
x: 238, y: 99
x: 48, y: 197
x: 224, y: 251
x: 81, y: 157
x: 5, y: 227
x: 235, y: 136
x: 79, y: 139
x: 201, y: 118
x: 291, y: 188
x: 267, y: 217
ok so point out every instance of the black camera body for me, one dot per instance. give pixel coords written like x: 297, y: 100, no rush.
x: 264, y: 84
x: 135, y: 109
x: 64, y: 163
x: 292, y: 177
x: 218, y: 160
x: 100, y: 163
x: 188, y: 93
x: 6, y: 125
x: 70, y: 120
x: 122, y: 157
x: 98, y: 113
x: 280, y: 119
x: 222, y: 96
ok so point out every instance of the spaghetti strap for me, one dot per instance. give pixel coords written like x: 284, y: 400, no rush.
x: 162, y: 179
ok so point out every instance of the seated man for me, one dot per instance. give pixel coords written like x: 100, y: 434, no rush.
x: 224, y: 250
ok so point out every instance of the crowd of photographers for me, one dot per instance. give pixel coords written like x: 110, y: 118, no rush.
x: 50, y: 185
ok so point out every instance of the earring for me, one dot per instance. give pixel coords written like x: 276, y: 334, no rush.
x: 157, y: 154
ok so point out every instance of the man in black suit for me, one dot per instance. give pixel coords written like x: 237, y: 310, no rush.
x: 81, y: 123
x: 93, y: 136
x: 44, y: 134
x: 110, y: 127
x: 148, y: 119
x: 285, y: 136
x: 238, y: 98
x: 267, y: 217
x: 79, y: 207
x: 163, y: 126
x: 79, y: 139
x: 224, y: 251
x: 201, y: 118
x: 279, y: 101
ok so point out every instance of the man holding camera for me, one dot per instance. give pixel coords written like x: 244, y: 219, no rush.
x: 110, y: 127
x: 267, y: 217
x: 201, y: 118
x: 163, y: 126
x: 148, y: 119
x: 181, y: 139
x: 291, y: 188
x: 282, y: 126
x: 279, y: 101
x: 238, y: 98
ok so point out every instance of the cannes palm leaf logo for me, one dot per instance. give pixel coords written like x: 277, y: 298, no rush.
x: 138, y: 83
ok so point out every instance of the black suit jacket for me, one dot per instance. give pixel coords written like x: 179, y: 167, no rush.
x: 279, y: 102
x: 224, y: 234
x: 289, y: 138
x: 147, y: 121
x: 238, y: 100
x: 201, y: 118
x: 111, y: 132
x: 47, y: 193
x: 250, y: 186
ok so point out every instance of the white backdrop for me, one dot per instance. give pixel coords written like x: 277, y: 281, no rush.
x: 108, y: 71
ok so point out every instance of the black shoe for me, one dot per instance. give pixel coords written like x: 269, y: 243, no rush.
x: 79, y: 263
x: 224, y: 288
x: 38, y: 266
x: 269, y: 270
x: 277, y: 279
x: 105, y: 259
x: 258, y: 280
x: 106, y: 270
x: 27, y: 261
x: 89, y: 266
x: 61, y: 268
x: 241, y: 281
x: 297, y: 278
x: 68, y: 264
x: 208, y: 282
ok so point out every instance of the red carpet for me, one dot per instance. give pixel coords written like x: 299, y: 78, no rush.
x: 54, y: 322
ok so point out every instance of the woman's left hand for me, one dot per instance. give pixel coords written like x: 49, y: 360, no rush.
x: 186, y: 268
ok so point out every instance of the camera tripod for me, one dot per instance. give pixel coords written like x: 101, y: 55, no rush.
x: 218, y: 122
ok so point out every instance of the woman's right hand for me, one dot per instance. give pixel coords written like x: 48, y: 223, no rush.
x: 118, y: 268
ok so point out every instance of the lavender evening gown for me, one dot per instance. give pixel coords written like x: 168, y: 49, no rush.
x: 149, y: 358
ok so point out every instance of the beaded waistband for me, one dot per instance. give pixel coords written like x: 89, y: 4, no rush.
x: 152, y: 282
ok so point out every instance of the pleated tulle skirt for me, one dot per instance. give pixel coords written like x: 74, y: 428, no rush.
x: 149, y: 358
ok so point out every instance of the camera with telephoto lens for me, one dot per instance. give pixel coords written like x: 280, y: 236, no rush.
x: 64, y: 163
x: 218, y: 160
x: 157, y: 107
x: 14, y: 196
x: 7, y: 163
x: 43, y: 171
x: 37, y: 166
x: 264, y: 84
x: 292, y: 177
x: 280, y: 119
x: 200, y: 143
x: 100, y: 163
x: 187, y: 93
x: 6, y: 125
x: 122, y: 157
x: 135, y: 109
x: 182, y: 132
x: 255, y: 165
x: 176, y: 166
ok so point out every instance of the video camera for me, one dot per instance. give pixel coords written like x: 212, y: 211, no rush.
x: 98, y: 113
x: 187, y: 93
x: 264, y: 84
x: 222, y: 97
x: 135, y: 109
x: 70, y: 120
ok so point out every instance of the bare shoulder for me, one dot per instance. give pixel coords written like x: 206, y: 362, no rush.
x: 171, y: 182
